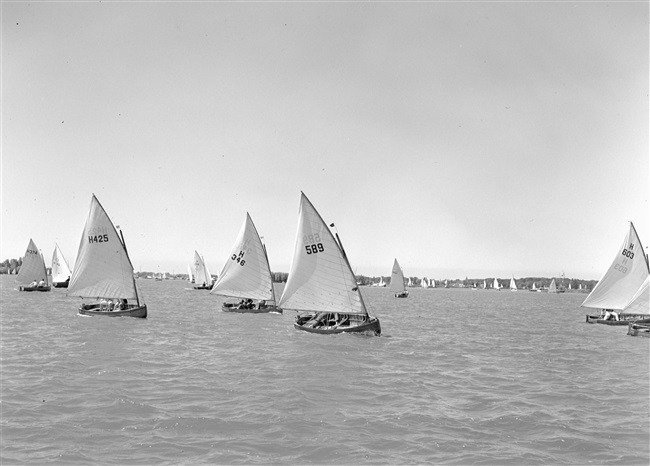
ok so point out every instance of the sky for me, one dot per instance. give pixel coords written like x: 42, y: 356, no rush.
x: 465, y: 139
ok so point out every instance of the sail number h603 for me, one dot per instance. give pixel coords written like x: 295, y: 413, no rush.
x: 313, y: 244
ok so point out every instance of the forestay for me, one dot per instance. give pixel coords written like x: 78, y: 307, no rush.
x: 102, y: 268
x: 246, y: 273
x: 623, y: 278
x: 33, y: 267
x: 320, y: 277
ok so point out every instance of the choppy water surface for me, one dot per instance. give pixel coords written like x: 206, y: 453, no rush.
x: 458, y: 376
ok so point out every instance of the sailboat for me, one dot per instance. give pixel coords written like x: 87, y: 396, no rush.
x: 397, y: 281
x: 190, y: 274
x: 640, y: 304
x: 103, y: 270
x: 552, y: 288
x: 60, y: 270
x: 321, y: 285
x: 513, y: 284
x: 247, y: 274
x: 619, y: 284
x: 382, y: 283
x: 33, y: 274
x: 425, y: 282
x: 534, y: 288
x: 496, y: 285
x: 202, y: 277
x: 410, y: 283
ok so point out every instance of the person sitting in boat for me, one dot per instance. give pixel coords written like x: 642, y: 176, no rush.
x: 609, y: 313
x: 41, y: 283
x: 34, y: 283
x: 118, y: 306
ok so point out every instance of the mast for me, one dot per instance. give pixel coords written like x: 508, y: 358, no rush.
x: 345, y: 256
x: 137, y: 297
x: 269, y: 268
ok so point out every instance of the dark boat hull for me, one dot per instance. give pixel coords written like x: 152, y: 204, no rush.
x: 35, y: 288
x: 403, y: 294
x: 229, y: 307
x: 203, y: 287
x: 639, y: 328
x: 624, y: 319
x: 96, y: 310
x: 61, y: 284
x: 369, y: 327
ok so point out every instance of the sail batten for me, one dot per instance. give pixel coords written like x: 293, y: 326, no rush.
x: 320, y: 276
x: 102, y: 268
x: 623, y: 278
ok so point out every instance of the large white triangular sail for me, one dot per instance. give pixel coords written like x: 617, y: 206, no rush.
x: 397, y: 279
x: 103, y: 268
x: 623, y: 278
x: 513, y: 284
x: 246, y: 273
x: 496, y: 285
x: 33, y: 266
x: 60, y: 269
x: 320, y: 276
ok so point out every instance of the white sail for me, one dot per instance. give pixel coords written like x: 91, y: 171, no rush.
x: 623, y: 278
x: 201, y: 274
x: 552, y: 288
x: 397, y: 279
x: 496, y: 285
x: 640, y: 302
x: 425, y: 283
x: 190, y: 274
x: 513, y: 284
x: 103, y: 268
x: 320, y: 276
x: 60, y: 269
x: 33, y: 266
x: 410, y: 282
x: 484, y: 284
x: 246, y: 273
x: 432, y: 283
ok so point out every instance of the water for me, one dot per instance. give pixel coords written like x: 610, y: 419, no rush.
x: 458, y: 377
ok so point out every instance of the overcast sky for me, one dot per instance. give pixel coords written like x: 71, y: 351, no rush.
x: 462, y: 138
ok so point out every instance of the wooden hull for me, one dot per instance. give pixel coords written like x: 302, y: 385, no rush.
x: 230, y: 307
x: 624, y: 319
x: 368, y: 327
x: 35, y: 288
x: 96, y: 310
x: 61, y: 284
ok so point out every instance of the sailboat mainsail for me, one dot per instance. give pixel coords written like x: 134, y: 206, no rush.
x: 640, y: 302
x: 397, y: 281
x: 513, y: 284
x: 202, y: 276
x: 103, y: 268
x: 246, y: 273
x: 496, y: 285
x: 322, y: 282
x: 33, y: 274
x: 425, y: 282
x: 552, y: 288
x: 61, y: 272
x: 190, y: 274
x: 623, y: 278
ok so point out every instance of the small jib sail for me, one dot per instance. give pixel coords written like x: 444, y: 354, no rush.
x: 33, y: 274
x: 103, y: 270
x: 321, y: 282
x: 202, y: 277
x: 247, y: 274
x: 397, y: 281
x: 623, y: 278
x: 640, y: 302
x: 61, y: 272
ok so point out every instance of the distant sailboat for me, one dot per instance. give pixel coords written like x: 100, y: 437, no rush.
x: 60, y: 270
x: 513, y: 284
x: 247, y: 274
x: 202, y: 277
x: 621, y: 281
x: 33, y: 274
x: 432, y: 283
x: 190, y: 274
x: 397, y: 281
x: 425, y: 283
x: 321, y: 284
x: 103, y: 269
x: 484, y: 284
x: 552, y: 288
x: 496, y: 285
x: 410, y: 283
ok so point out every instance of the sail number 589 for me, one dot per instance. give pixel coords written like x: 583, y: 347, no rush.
x: 313, y: 244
